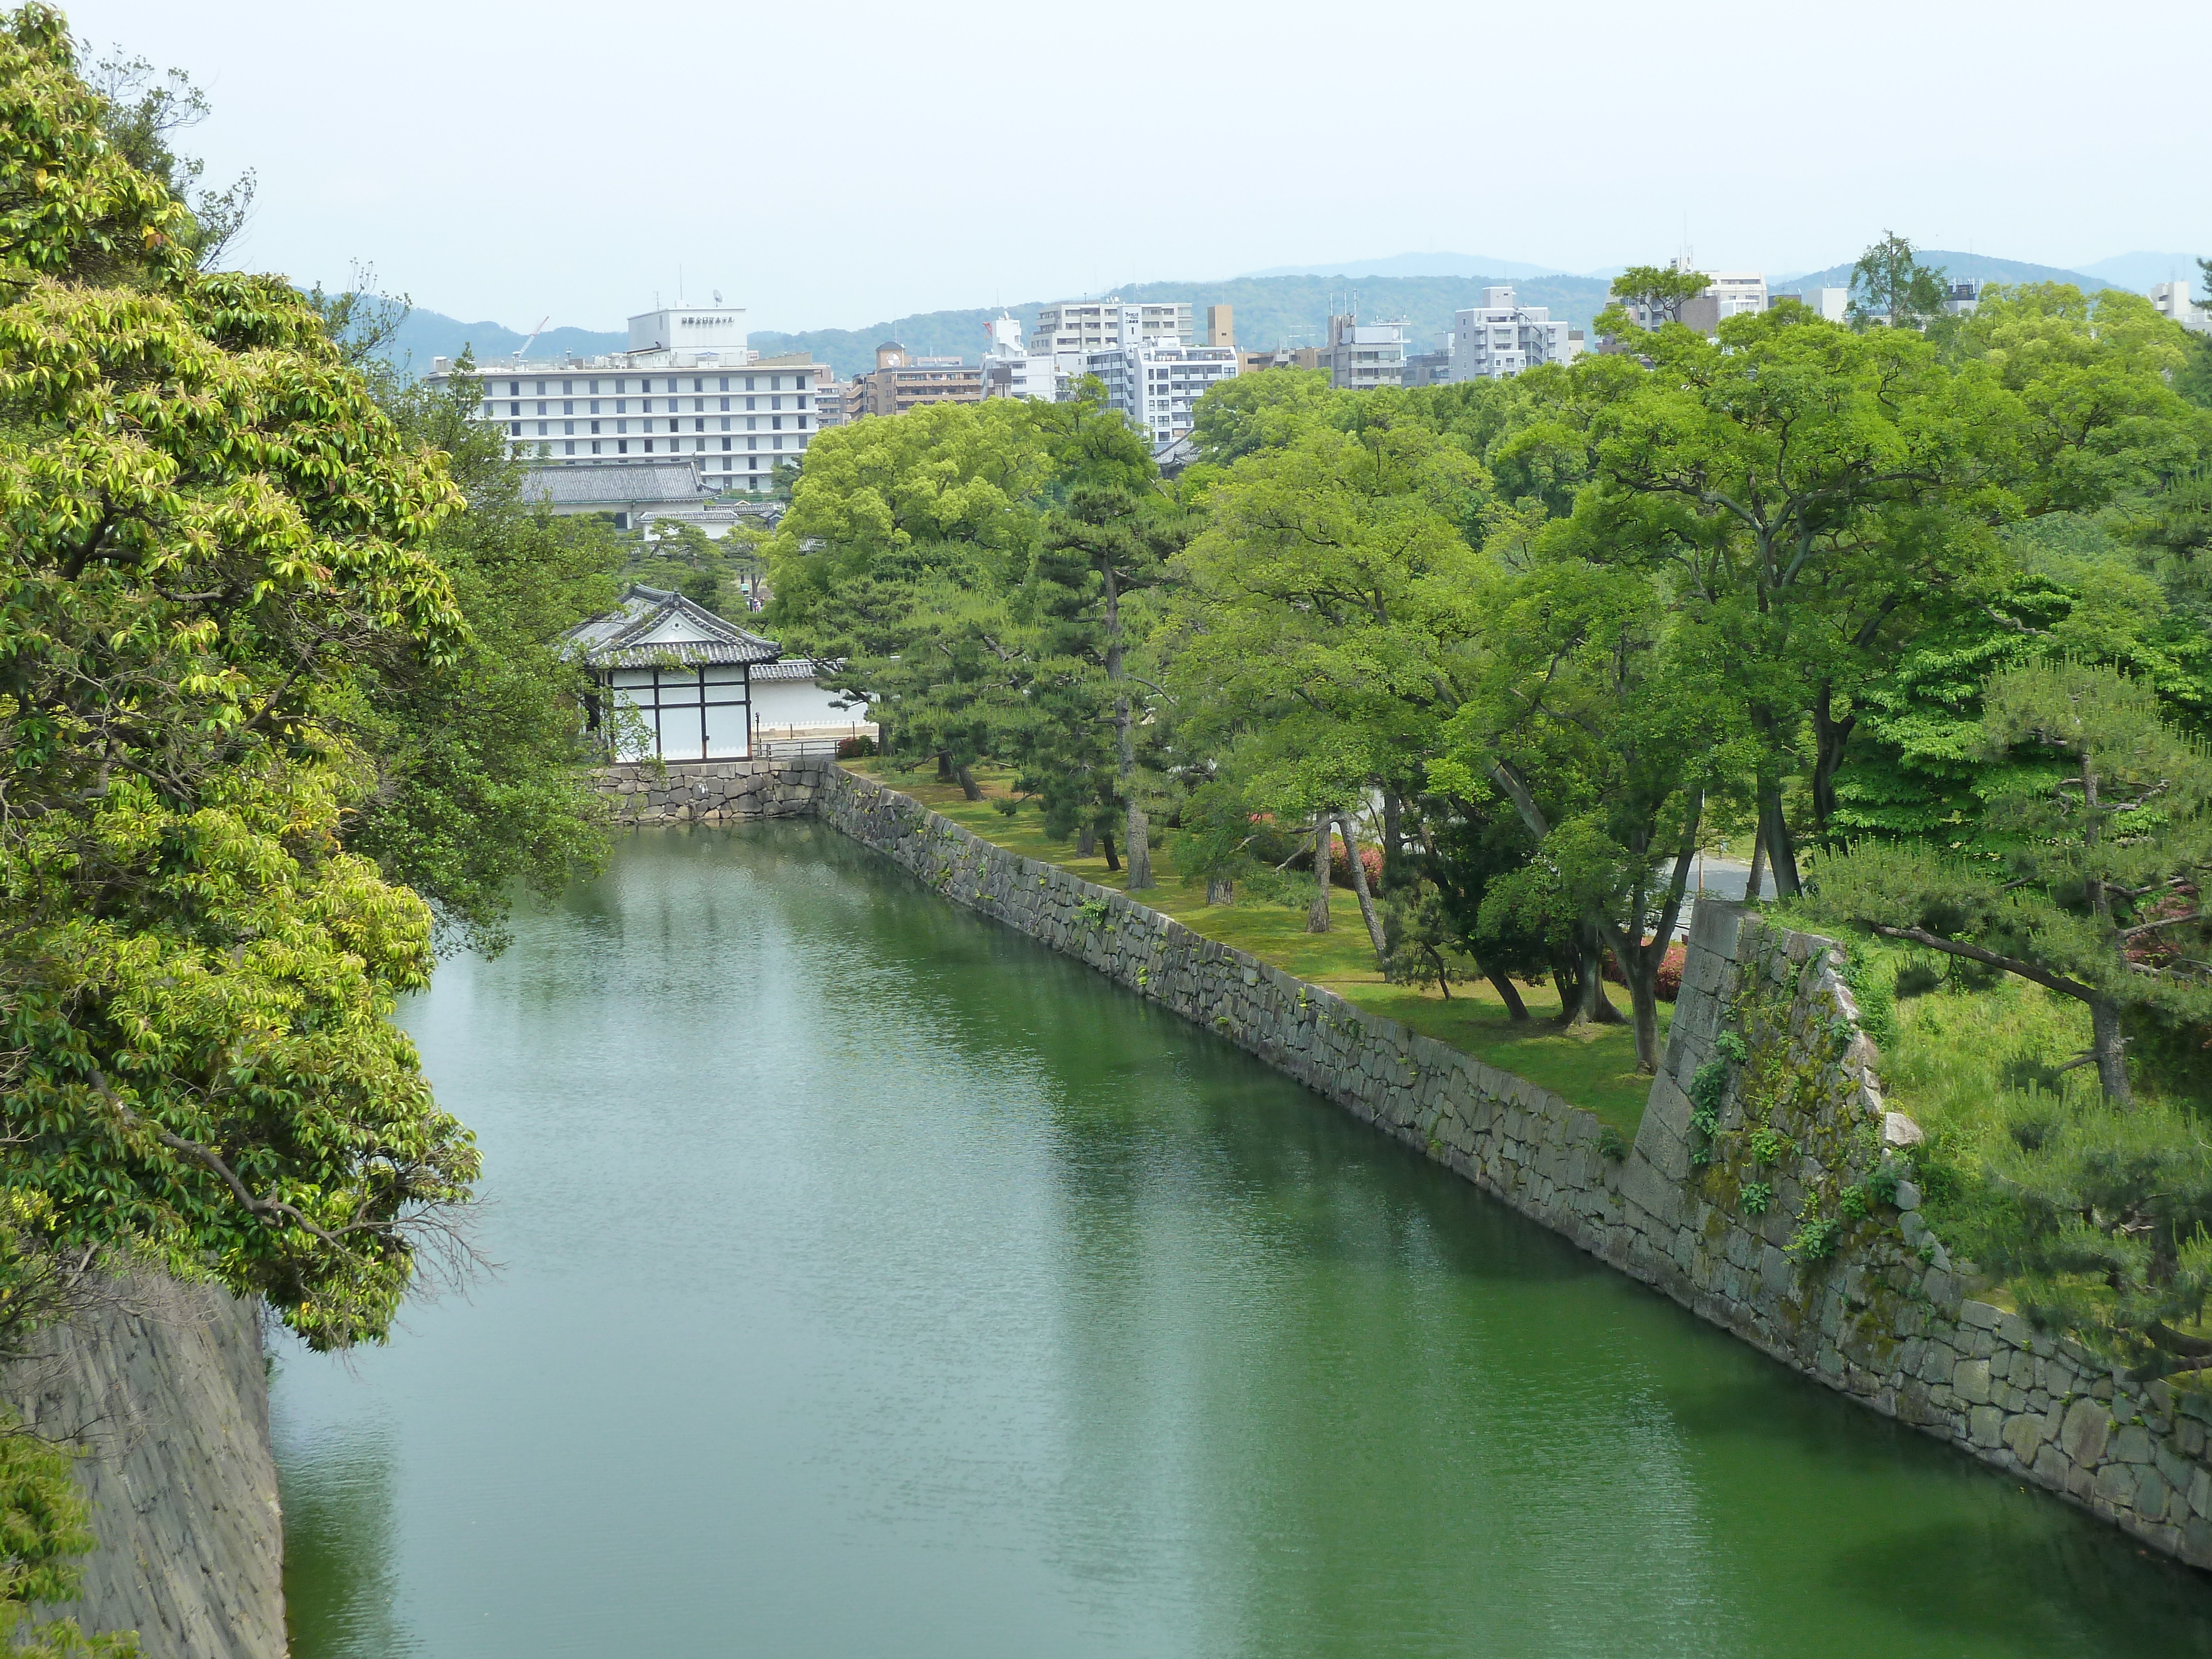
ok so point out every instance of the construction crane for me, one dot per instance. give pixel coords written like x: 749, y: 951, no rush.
x: 533, y: 340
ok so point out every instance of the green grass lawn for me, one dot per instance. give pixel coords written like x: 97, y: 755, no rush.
x: 1598, y: 1072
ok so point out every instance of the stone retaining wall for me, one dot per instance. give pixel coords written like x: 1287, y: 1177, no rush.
x: 1756, y: 1193
x: 164, y: 1387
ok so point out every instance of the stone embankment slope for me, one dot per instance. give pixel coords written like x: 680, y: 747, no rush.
x: 1759, y: 1191
x: 164, y: 1388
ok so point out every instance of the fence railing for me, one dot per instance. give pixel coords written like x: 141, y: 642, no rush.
x: 794, y: 748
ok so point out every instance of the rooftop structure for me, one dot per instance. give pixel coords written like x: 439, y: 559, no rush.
x: 628, y: 491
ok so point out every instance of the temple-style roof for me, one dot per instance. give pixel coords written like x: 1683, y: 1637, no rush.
x: 652, y: 627
x: 795, y: 668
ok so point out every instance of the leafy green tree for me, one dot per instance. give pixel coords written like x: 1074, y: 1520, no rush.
x: 1658, y: 291
x: 1248, y: 413
x: 1812, y: 495
x: 1891, y: 286
x: 2102, y: 808
x: 1106, y: 546
x: 907, y: 537
x: 1324, y: 608
x: 1603, y: 716
x: 483, y: 783
x: 210, y: 522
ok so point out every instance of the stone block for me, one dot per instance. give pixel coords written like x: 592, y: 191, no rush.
x: 2084, y: 1433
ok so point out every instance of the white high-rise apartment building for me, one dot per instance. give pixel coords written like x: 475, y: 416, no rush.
x: 707, y: 399
x: 1089, y: 325
x: 1156, y: 384
x: 1365, y: 356
x: 1498, y: 338
x: 2173, y: 300
x: 1011, y: 370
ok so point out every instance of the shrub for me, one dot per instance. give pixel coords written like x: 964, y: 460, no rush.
x: 855, y: 748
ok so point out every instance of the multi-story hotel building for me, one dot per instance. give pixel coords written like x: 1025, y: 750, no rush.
x: 708, y: 400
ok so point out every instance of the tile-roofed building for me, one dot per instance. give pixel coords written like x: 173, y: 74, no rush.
x: 676, y: 679
x: 621, y: 490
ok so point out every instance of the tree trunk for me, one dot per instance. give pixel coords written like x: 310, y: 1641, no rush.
x: 1393, y: 841
x: 1774, y: 831
x: 1830, y: 738
x: 1359, y: 886
x: 1106, y: 840
x: 1757, y: 866
x: 1643, y: 1008
x: 1317, y: 912
x: 1220, y: 890
x: 1086, y: 840
x: 2104, y: 1013
x: 1141, y: 851
x: 1591, y: 1006
x: 1125, y: 743
x: 2112, y: 1053
x: 969, y: 789
x: 1510, y: 994
x: 943, y: 766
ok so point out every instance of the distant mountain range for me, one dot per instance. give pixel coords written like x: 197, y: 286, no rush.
x: 1422, y: 264
x: 2141, y: 272
x: 1960, y: 268
x: 428, y: 334
x: 1284, y: 306
x: 1269, y: 311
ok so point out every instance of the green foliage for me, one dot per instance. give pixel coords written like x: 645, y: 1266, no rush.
x: 1612, y: 1143
x: 2101, y: 808
x: 42, y: 1532
x: 1815, y: 1239
x: 481, y: 784
x: 1890, y: 286
x: 1732, y: 1045
x: 1769, y: 1145
x: 211, y: 524
x: 1757, y: 1197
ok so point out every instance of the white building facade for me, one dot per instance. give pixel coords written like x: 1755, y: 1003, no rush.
x: 710, y: 400
x: 1365, y: 356
x: 2173, y: 300
x: 1012, y: 369
x: 1156, y: 384
x: 1084, y: 327
x: 1501, y: 337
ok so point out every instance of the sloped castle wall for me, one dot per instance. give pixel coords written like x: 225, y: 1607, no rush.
x: 164, y: 1387
x: 1755, y: 1193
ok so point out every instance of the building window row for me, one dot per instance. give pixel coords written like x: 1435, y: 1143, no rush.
x: 669, y: 383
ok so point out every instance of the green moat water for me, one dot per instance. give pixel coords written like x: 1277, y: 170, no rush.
x: 875, y: 1282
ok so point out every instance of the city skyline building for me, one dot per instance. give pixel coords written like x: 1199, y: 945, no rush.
x: 1501, y: 337
x: 710, y: 401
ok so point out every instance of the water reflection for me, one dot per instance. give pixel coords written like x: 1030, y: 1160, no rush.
x: 881, y: 1283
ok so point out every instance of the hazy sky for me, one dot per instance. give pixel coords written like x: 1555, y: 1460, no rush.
x: 838, y: 162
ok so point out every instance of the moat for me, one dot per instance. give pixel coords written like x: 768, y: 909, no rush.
x: 874, y: 1281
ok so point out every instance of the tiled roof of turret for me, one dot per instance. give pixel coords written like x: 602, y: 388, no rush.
x: 652, y: 627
